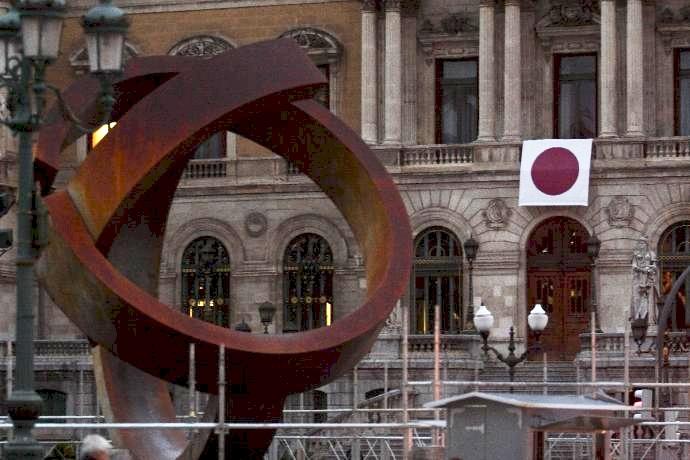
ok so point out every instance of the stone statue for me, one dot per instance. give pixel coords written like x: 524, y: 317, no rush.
x: 645, y: 282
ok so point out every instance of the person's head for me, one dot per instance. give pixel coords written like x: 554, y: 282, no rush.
x: 95, y: 447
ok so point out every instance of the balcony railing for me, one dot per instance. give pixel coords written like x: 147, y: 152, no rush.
x: 436, y: 155
x: 668, y: 147
x: 206, y: 169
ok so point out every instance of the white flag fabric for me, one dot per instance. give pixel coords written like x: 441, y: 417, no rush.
x: 555, y: 172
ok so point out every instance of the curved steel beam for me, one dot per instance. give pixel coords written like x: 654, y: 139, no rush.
x: 108, y: 225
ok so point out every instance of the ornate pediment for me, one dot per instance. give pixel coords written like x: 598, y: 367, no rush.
x: 570, y: 17
x: 673, y: 27
x: 204, y: 46
x: 450, y: 24
x: 569, y: 13
x: 320, y: 45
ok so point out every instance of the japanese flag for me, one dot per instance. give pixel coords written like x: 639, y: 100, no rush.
x: 555, y: 172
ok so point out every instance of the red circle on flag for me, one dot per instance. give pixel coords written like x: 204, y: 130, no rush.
x: 555, y: 170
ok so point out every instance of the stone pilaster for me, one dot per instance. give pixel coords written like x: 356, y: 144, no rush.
x: 633, y: 69
x: 487, y: 72
x: 409, y: 72
x: 512, y: 87
x: 607, y: 73
x: 369, y: 73
x: 393, y: 74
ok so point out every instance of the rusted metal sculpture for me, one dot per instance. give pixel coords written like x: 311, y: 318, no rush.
x: 101, y: 266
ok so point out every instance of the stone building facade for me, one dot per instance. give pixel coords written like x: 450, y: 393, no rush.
x: 444, y: 92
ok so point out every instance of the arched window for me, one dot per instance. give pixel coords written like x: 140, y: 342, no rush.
x: 54, y: 402
x: 674, y: 257
x: 205, y: 47
x: 325, y: 52
x: 307, y: 283
x: 206, y: 281
x: 436, y: 278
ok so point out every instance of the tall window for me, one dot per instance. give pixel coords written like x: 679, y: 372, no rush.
x: 576, y: 97
x: 308, y: 284
x: 325, y: 52
x: 323, y: 95
x: 213, y: 147
x: 683, y: 92
x: 206, y: 281
x: 437, y: 275
x: 457, y: 101
x: 205, y: 47
x: 674, y: 257
x: 54, y: 402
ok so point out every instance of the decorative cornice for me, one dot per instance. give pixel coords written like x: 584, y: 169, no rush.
x: 391, y: 5
x: 77, y: 8
x: 369, y: 6
x: 487, y: 3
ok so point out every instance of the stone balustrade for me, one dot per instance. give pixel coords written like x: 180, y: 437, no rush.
x: 436, y: 155
x: 466, y: 345
x: 613, y: 344
x: 668, y: 147
x: 420, y: 158
x: 206, y: 169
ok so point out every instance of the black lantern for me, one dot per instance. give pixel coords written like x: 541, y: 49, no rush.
x: 470, y: 246
x: 266, y: 312
x: 593, y: 246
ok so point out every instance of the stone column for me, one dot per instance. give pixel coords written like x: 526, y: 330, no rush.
x: 487, y: 71
x: 607, y: 73
x: 409, y: 73
x: 512, y: 87
x: 369, y: 74
x: 633, y: 69
x: 393, y: 74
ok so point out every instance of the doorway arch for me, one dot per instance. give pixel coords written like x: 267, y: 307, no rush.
x: 559, y: 278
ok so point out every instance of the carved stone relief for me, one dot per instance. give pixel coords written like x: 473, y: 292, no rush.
x: 201, y: 46
x: 255, y: 224
x: 393, y: 323
x: 567, y: 13
x: 452, y: 24
x: 496, y: 214
x: 619, y: 212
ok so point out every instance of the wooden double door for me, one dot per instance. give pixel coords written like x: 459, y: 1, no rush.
x: 559, y: 278
x: 565, y: 297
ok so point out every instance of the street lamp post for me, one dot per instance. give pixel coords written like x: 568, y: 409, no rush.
x: 593, y: 246
x: 484, y: 320
x: 29, y: 42
x: 470, y: 246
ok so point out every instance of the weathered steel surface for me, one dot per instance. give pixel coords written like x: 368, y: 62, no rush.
x: 102, y: 264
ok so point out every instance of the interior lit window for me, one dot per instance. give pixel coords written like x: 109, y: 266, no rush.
x: 98, y: 135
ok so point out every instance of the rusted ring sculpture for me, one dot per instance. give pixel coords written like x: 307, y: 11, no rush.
x: 101, y: 266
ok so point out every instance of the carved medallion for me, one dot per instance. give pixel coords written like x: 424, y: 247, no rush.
x: 619, y: 211
x: 255, y: 224
x: 496, y: 214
